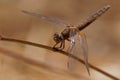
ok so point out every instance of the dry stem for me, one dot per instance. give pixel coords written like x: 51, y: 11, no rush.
x: 50, y: 48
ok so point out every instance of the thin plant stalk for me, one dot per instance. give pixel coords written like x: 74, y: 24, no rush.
x: 61, y: 52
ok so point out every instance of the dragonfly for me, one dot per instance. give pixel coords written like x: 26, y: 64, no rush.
x: 73, y: 34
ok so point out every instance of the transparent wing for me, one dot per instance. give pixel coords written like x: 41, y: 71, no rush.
x: 48, y: 18
x: 70, y: 50
x: 84, y: 49
x: 79, y: 46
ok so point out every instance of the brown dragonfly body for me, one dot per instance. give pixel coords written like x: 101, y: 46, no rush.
x: 65, y: 34
x: 70, y: 31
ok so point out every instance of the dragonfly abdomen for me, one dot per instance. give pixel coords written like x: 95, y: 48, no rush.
x: 93, y: 17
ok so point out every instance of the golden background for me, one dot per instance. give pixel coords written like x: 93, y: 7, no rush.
x: 102, y: 37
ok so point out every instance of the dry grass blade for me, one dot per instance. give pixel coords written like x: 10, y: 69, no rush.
x: 49, y: 48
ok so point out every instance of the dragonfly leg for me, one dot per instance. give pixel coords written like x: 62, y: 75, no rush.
x: 54, y: 47
x: 62, y: 45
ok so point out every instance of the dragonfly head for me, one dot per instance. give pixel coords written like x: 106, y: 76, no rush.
x: 58, y: 37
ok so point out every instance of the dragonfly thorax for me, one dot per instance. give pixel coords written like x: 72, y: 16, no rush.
x: 58, y: 37
x: 65, y: 34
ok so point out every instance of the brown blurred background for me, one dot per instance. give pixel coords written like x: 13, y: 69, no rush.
x: 102, y: 37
